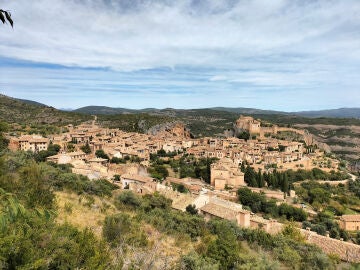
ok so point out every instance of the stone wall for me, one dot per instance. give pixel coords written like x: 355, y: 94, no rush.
x: 347, y: 251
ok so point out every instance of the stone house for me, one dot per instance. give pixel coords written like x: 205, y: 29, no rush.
x: 350, y: 222
x: 192, y: 184
x: 224, y: 173
x: 64, y: 158
x: 33, y: 143
x: 135, y: 181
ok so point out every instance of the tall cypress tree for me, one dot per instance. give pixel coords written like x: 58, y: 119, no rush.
x: 242, y: 167
x: 285, y: 183
x: 261, y: 181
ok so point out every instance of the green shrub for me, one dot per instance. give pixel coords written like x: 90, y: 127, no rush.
x: 121, y: 229
x: 128, y: 198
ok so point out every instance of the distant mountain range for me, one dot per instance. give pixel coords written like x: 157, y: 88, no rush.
x: 333, y: 113
x: 104, y: 110
x: 338, y: 113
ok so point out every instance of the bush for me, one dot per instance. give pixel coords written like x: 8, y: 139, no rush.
x: 117, y: 160
x: 122, y: 229
x: 39, y: 243
x: 159, y: 171
x: 155, y: 201
x: 130, y: 199
x: 191, y: 209
x: 258, y: 203
x: 193, y: 261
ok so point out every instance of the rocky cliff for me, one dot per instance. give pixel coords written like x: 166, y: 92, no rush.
x: 174, y: 129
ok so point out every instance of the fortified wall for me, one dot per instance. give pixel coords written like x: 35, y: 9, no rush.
x: 249, y: 124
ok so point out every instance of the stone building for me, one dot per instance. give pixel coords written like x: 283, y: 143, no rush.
x: 33, y: 143
x: 247, y: 123
x: 350, y: 222
x: 64, y: 158
x: 127, y: 179
x: 224, y: 173
x: 192, y: 184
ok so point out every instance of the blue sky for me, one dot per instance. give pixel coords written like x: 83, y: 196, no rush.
x: 281, y: 54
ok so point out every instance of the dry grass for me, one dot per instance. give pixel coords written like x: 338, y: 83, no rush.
x: 77, y: 210
x: 166, y: 244
x: 163, y: 250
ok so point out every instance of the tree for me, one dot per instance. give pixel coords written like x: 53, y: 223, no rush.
x: 70, y: 147
x: 159, y: 171
x: 250, y: 177
x: 5, y: 16
x: 242, y: 168
x: 244, y: 135
x: 54, y: 148
x: 117, y: 160
x: 181, y: 188
x: 191, y: 209
x: 260, y: 179
x: 285, y: 183
x: 161, y: 153
x: 101, y: 154
x: 86, y: 148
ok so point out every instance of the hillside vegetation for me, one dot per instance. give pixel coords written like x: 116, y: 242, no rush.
x: 24, y: 112
x: 44, y: 213
x: 140, y: 122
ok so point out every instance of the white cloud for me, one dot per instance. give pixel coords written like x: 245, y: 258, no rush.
x: 130, y: 35
x: 233, y: 45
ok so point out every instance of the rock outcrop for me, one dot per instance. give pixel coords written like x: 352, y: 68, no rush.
x: 175, y: 129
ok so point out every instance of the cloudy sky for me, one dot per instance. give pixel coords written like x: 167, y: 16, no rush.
x: 281, y: 54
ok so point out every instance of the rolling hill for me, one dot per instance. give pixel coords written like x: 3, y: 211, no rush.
x: 103, y: 110
x: 333, y: 113
x: 30, y: 112
x: 342, y: 113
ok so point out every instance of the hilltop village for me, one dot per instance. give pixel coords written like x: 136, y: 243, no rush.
x: 261, y: 150
x: 126, y: 159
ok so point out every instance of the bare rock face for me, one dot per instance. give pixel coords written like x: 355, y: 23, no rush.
x: 228, y: 133
x: 142, y: 124
x: 174, y: 129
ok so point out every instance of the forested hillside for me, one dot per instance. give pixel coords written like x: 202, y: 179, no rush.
x: 24, y: 112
